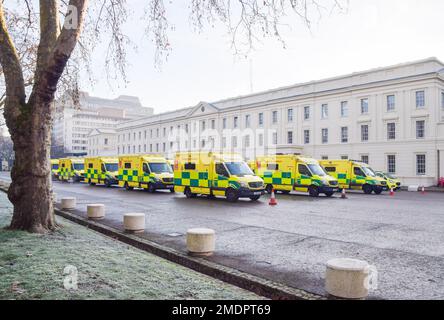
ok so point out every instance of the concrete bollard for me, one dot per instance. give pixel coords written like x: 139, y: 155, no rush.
x: 95, y: 211
x: 413, y: 188
x: 69, y: 203
x: 134, y: 222
x: 200, y: 242
x: 348, y: 278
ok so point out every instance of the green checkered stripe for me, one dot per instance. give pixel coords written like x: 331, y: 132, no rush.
x: 192, y: 179
x: 65, y: 172
x: 131, y: 175
x: 278, y: 178
x: 94, y: 174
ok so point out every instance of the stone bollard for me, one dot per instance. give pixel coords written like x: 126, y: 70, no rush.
x: 200, y: 242
x: 349, y: 278
x: 95, y: 211
x: 68, y: 203
x: 134, y: 222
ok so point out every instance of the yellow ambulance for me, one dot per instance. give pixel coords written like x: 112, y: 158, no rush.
x: 102, y: 170
x: 215, y: 174
x: 355, y: 175
x: 150, y: 172
x: 71, y: 169
x: 55, y: 168
x: 286, y: 173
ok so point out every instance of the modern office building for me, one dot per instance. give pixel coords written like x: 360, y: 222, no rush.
x: 390, y: 117
x: 73, y: 122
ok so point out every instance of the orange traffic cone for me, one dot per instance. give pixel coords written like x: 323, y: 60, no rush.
x: 273, y: 201
x: 422, y: 190
x: 392, y: 193
x: 343, y: 195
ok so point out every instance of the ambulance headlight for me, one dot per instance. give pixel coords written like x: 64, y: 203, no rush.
x: 243, y: 184
x: 325, y: 182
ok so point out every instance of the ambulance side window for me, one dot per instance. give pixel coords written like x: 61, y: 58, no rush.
x: 103, y: 167
x: 145, y: 168
x: 220, y: 170
x: 272, y: 166
x: 190, y: 166
x: 127, y: 165
x: 90, y: 165
x: 358, y: 172
x: 304, y: 170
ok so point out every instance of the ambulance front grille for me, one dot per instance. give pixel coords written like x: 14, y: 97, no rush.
x: 256, y: 185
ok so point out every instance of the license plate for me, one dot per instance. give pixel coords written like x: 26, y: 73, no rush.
x: 257, y: 193
x: 170, y: 186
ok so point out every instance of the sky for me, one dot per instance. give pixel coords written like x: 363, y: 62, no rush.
x: 203, y: 67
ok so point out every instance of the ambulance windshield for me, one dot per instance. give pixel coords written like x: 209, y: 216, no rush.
x: 78, y: 166
x: 112, y: 167
x: 160, y: 167
x: 317, y: 170
x: 368, y: 171
x: 239, y: 169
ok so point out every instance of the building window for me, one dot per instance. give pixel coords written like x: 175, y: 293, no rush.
x: 442, y: 99
x: 261, y: 140
x: 261, y: 119
x: 157, y: 147
x: 391, y: 163
x: 391, y: 131
x: 420, y: 129
x: 420, y: 164
x: 224, y: 123
x: 364, y: 106
x: 324, y: 157
x: 171, y: 129
x: 275, y: 138
x: 157, y: 132
x: 235, y: 122
x: 364, y: 158
x: 420, y: 99
x: 324, y: 135
x: 164, y: 147
x: 186, y: 127
x: 345, y: 157
x: 324, y: 111
x: 390, y: 103
x: 344, y: 134
x: 134, y: 149
x: 364, y: 132
x: 274, y: 117
x: 151, y: 147
x: 105, y: 141
x: 144, y: 148
x: 247, y: 121
x: 140, y: 148
x: 203, y: 125
x: 247, y: 141
x: 213, y: 124
x: 290, y: 137
x: 202, y: 144
x: 306, y: 112
x: 290, y: 115
x: 306, y: 136
x: 234, y: 142
x: 344, y: 109
x: 224, y: 142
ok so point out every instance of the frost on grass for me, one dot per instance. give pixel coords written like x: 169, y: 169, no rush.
x: 31, y: 267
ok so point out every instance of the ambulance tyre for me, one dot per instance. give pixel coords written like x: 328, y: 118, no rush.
x: 90, y: 183
x: 269, y: 188
x: 377, y: 190
x: 367, y: 189
x: 172, y: 190
x: 329, y: 193
x: 313, y: 191
x: 189, y: 194
x: 285, y: 191
x: 127, y: 187
x: 151, y: 188
x: 107, y: 183
x: 254, y: 198
x: 232, y: 195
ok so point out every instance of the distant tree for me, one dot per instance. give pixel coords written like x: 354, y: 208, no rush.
x: 37, y: 53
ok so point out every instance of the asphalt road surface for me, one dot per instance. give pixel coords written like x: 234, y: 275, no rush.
x: 402, y: 236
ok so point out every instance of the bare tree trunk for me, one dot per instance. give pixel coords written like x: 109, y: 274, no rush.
x: 31, y: 188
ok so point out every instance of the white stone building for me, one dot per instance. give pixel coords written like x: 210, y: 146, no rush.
x: 72, y: 123
x: 102, y: 142
x: 391, y: 117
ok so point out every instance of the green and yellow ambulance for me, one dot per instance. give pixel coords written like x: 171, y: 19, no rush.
x: 286, y: 173
x: 215, y: 174
x: 102, y: 170
x: 355, y: 175
x: 150, y: 172
x: 71, y: 169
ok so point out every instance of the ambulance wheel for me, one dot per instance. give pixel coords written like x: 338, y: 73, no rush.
x: 367, y: 189
x: 232, y: 195
x: 189, y: 194
x: 172, y: 190
x: 108, y: 183
x: 329, y: 194
x: 151, y: 188
x: 313, y: 191
x: 377, y: 190
x: 254, y: 198
x: 127, y: 187
x: 285, y: 192
x: 269, y: 188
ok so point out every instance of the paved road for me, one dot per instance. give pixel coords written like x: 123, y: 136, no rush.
x: 290, y: 243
